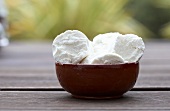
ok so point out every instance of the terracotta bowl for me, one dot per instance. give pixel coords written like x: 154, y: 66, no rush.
x: 97, y: 81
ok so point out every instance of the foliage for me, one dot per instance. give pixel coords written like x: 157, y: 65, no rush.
x: 39, y: 19
x: 153, y: 14
x: 164, y: 5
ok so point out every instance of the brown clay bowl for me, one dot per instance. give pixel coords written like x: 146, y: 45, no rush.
x: 97, y: 81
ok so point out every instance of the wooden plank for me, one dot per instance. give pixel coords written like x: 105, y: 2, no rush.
x: 29, y: 80
x: 21, y: 78
x: 40, y: 54
x: 25, y: 64
x: 133, y: 100
x: 144, y: 69
x: 153, y: 80
x: 20, y: 55
x: 45, y: 80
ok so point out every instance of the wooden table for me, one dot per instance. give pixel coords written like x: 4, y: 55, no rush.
x: 28, y: 81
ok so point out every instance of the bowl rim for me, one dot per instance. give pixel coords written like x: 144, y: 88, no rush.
x: 98, y: 65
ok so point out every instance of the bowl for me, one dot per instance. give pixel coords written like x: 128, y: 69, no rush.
x: 97, y: 81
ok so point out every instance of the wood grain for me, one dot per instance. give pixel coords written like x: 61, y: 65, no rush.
x: 28, y: 65
x: 32, y: 80
x: 133, y: 100
x: 25, y: 65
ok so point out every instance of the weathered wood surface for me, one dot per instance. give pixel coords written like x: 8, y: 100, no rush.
x: 27, y: 65
x: 133, y: 100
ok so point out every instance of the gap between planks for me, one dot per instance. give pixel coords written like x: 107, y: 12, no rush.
x: 61, y: 89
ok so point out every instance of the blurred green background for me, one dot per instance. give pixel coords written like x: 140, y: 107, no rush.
x: 44, y: 19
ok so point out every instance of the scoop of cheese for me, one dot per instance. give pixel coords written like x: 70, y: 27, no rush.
x: 73, y: 47
x: 70, y: 47
x: 105, y: 42
x: 107, y: 59
x: 130, y: 47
